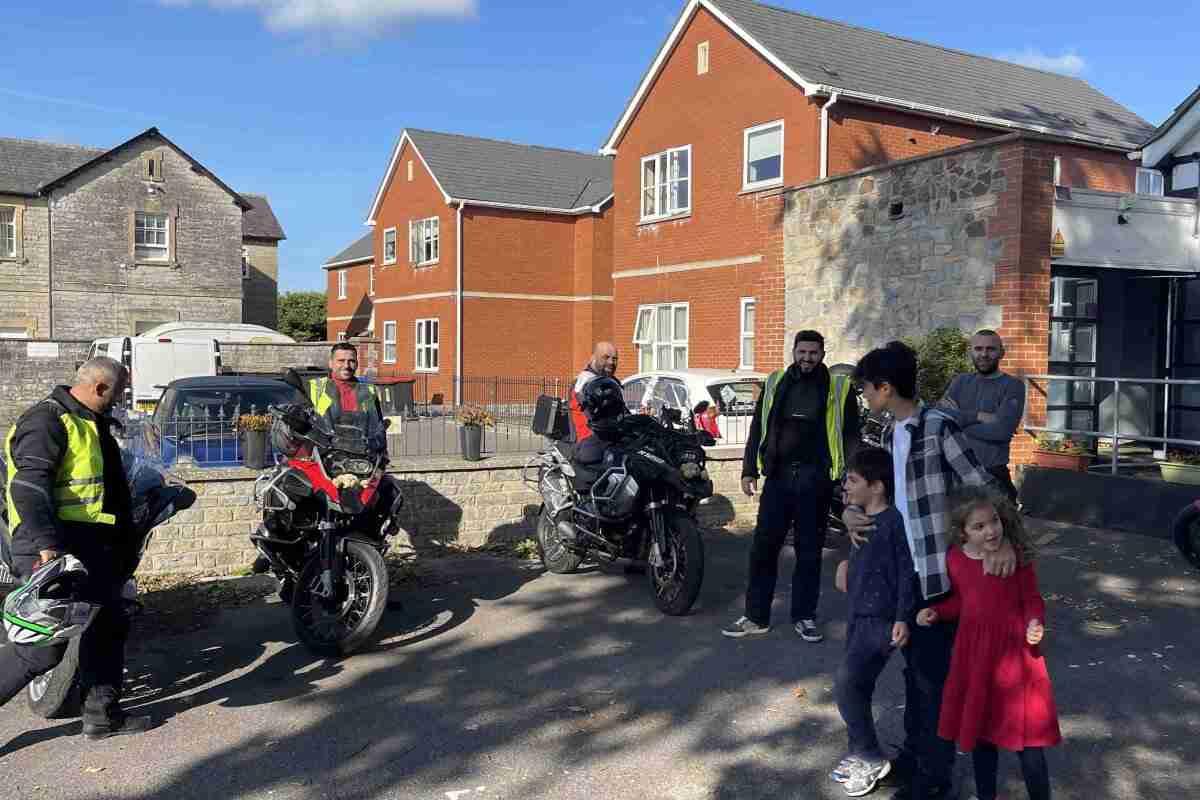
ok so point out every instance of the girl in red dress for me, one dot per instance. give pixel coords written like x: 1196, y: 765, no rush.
x: 998, y: 694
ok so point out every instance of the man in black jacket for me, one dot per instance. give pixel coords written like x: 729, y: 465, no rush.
x: 805, y: 425
x: 58, y: 454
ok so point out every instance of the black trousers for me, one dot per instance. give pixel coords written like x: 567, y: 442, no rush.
x: 795, y: 498
x: 101, y: 646
x: 1002, y: 475
x: 985, y: 759
x: 868, y: 648
x: 926, y: 667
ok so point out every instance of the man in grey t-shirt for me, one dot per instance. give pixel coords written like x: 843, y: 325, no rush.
x: 988, y: 406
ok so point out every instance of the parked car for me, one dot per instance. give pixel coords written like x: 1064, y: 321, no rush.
x: 194, y: 418
x: 227, y: 332
x: 154, y: 363
x: 734, y: 393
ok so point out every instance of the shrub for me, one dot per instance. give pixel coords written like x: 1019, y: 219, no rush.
x: 252, y: 422
x: 474, y: 415
x: 941, y: 354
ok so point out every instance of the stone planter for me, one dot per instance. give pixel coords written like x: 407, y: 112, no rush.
x: 470, y: 437
x: 254, y: 449
x: 1180, y: 473
x: 1067, y: 461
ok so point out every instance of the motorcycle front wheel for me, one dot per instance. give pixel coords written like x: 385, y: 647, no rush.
x: 555, y: 555
x: 676, y: 574
x: 342, y: 623
x: 55, y: 694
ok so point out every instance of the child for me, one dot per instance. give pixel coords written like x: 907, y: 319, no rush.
x: 880, y: 585
x: 705, y: 416
x: 998, y: 694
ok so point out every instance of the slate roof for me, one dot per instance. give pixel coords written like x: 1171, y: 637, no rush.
x: 25, y: 164
x: 838, y: 56
x: 259, y: 220
x: 362, y: 250
x: 1179, y: 111
x: 470, y: 168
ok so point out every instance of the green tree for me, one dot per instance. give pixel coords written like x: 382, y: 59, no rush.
x: 941, y: 354
x: 302, y: 315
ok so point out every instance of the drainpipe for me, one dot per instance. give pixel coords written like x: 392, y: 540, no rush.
x: 458, y: 307
x: 50, y: 262
x: 833, y: 98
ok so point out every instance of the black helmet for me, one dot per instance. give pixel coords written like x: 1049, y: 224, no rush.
x: 602, y: 399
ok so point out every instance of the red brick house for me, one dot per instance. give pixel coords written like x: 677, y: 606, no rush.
x: 489, y: 259
x: 744, y: 100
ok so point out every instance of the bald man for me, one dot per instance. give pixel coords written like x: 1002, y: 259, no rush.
x: 62, y: 498
x: 603, y: 364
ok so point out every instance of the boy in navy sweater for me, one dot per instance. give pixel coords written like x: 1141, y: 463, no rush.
x: 879, y: 582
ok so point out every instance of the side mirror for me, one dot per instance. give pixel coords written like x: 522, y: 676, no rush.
x: 387, y: 423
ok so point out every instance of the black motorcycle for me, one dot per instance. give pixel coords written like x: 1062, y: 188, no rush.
x: 639, y: 503
x: 1185, y: 531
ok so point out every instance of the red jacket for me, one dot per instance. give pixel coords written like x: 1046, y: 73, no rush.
x: 579, y: 420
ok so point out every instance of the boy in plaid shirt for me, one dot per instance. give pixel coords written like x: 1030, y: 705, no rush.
x: 931, y: 458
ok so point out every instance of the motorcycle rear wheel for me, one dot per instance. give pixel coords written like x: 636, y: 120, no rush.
x: 55, y: 694
x: 344, y: 626
x: 676, y: 581
x: 1186, y: 533
x: 556, y: 556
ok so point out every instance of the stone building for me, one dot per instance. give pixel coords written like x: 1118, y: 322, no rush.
x: 110, y: 242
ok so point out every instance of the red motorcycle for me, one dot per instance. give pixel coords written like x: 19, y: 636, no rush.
x: 1186, y: 533
x: 328, y: 511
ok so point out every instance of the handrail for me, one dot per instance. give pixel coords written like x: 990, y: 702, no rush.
x: 1115, y: 434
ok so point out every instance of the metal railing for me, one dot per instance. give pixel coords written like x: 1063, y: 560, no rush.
x: 1113, y: 435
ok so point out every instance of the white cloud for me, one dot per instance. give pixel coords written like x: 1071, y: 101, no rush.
x: 1069, y: 63
x: 341, y: 15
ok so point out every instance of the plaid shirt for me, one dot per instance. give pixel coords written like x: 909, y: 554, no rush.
x: 939, y: 462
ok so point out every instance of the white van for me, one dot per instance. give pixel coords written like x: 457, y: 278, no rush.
x: 154, y: 363
x: 225, y: 332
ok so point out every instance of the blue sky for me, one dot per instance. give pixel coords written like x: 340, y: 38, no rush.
x: 303, y: 99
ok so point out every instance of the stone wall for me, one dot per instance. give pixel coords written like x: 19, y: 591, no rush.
x: 24, y: 277
x: 260, y: 288
x: 895, y: 251
x: 29, y: 370
x: 447, y: 501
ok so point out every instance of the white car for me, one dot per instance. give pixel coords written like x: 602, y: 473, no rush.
x: 734, y: 393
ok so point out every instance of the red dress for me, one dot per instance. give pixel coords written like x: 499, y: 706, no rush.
x: 998, y: 689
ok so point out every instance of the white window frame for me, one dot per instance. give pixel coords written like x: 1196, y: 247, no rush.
x: 1058, y: 170
x: 8, y: 231
x: 424, y: 248
x: 746, y: 335
x: 341, y: 337
x: 341, y: 284
x: 1155, y: 177
x: 702, y: 51
x: 156, y: 251
x: 664, y: 184
x: 650, y: 338
x: 389, y: 341
x: 746, y: 134
x: 427, y: 352
x: 386, y: 260
x: 371, y: 279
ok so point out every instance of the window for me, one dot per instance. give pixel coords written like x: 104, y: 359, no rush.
x: 423, y: 245
x: 1074, y: 328
x: 427, y: 340
x: 410, y: 169
x: 666, y: 183
x: 389, y: 246
x: 1058, y: 170
x: 8, y: 232
x: 245, y: 263
x: 341, y: 273
x: 634, y: 392
x: 341, y: 336
x: 150, y: 236
x: 153, y: 166
x: 1149, y: 181
x: 661, y: 336
x: 763, y: 148
x: 747, y: 358
x: 702, y: 58
x: 371, y: 279
x: 389, y: 342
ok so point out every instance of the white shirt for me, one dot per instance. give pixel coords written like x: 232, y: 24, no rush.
x: 901, y: 447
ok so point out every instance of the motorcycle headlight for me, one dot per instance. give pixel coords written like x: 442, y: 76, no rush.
x: 690, y: 470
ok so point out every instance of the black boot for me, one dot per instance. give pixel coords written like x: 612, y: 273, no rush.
x: 103, y: 717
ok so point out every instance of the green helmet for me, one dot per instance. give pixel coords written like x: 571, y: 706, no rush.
x: 48, y: 608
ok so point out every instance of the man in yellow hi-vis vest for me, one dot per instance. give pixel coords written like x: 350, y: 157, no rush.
x: 67, y: 493
x: 344, y: 400
x: 805, y: 424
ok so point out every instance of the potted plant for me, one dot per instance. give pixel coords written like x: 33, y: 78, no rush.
x: 253, y: 430
x: 472, y: 420
x: 1062, y: 453
x: 1181, y: 466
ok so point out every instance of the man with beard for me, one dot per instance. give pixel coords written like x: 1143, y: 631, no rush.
x: 804, y: 427
x: 988, y: 406
x: 347, y: 401
x: 67, y: 493
x: 603, y: 364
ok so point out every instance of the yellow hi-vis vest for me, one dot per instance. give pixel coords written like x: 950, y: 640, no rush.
x: 322, y: 394
x: 835, y: 410
x: 79, y: 484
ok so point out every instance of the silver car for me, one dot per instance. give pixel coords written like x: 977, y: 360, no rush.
x: 734, y: 393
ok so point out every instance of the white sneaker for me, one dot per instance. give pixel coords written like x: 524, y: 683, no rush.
x: 744, y: 627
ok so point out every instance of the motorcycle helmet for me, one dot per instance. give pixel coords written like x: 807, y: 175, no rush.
x: 603, y: 403
x: 48, y: 609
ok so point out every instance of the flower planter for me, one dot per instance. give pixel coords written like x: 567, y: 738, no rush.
x: 1180, y: 473
x: 470, y: 437
x: 1068, y: 461
x: 254, y: 449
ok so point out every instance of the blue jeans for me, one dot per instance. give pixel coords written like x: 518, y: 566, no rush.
x: 868, y: 648
x: 796, y: 499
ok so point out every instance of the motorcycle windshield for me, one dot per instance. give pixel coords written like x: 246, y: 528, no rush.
x: 154, y: 489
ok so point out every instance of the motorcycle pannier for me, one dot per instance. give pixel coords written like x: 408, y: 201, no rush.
x: 550, y: 417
